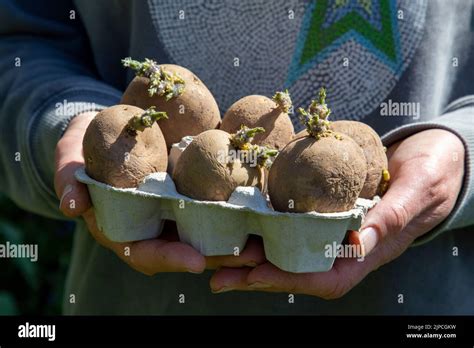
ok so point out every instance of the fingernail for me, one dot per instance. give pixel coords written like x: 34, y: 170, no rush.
x: 223, y: 289
x: 251, y: 264
x: 259, y: 285
x: 194, y: 272
x: 66, y: 191
x: 369, y: 239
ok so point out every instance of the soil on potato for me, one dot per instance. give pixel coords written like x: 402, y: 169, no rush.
x: 260, y: 111
x: 191, y: 113
x: 115, y: 156
x: 204, y: 172
x: 374, y: 153
x: 324, y: 175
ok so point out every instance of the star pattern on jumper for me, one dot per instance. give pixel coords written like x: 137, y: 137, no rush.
x: 328, y: 24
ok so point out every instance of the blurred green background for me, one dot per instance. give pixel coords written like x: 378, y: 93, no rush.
x: 33, y: 287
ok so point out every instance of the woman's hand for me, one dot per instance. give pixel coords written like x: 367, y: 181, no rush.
x: 165, y: 254
x: 426, y: 170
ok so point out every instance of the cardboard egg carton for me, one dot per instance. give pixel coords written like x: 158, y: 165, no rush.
x: 294, y: 242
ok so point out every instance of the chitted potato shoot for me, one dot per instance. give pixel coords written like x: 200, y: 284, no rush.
x: 323, y: 172
x: 260, y: 111
x: 123, y: 144
x: 190, y: 106
x: 216, y: 162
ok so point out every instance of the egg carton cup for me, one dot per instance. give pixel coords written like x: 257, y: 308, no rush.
x: 294, y: 242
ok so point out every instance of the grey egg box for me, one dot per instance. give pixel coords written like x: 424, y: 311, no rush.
x: 294, y: 242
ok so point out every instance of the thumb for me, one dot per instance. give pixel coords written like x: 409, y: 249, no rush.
x: 398, y: 207
x: 73, y: 195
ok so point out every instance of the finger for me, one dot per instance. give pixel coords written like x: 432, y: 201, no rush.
x: 252, y: 255
x: 150, y: 256
x: 398, y: 207
x: 156, y: 256
x: 89, y: 218
x: 73, y: 195
x: 352, y: 237
x: 228, y: 279
x: 344, y: 275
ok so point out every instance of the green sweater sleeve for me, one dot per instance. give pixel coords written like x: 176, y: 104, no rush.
x: 46, y: 77
x: 459, y: 119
